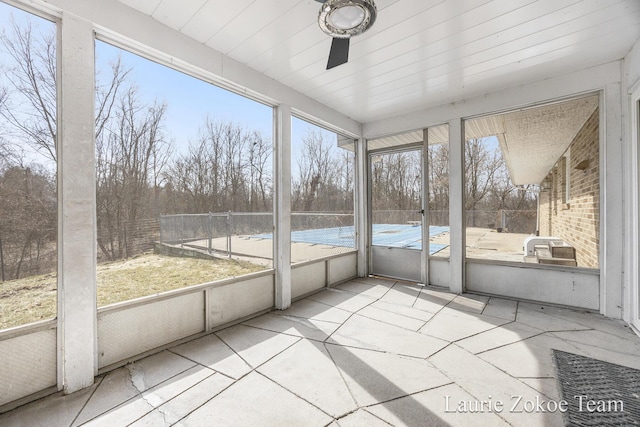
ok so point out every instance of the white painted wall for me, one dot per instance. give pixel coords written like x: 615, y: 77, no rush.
x: 575, y: 287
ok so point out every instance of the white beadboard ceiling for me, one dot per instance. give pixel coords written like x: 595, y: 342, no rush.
x: 419, y: 53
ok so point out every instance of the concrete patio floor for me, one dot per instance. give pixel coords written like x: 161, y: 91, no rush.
x: 370, y: 352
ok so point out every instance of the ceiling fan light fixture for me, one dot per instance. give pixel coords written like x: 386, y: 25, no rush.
x: 346, y: 18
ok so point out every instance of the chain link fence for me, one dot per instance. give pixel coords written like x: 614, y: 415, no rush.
x: 228, y: 233
x: 511, y: 221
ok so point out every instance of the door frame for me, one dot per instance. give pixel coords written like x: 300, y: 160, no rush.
x: 634, y: 211
x: 420, y: 275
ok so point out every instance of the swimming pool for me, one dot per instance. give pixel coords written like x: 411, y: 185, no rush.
x: 406, y: 236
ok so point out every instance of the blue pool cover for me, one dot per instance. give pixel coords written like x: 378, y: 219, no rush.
x: 389, y: 235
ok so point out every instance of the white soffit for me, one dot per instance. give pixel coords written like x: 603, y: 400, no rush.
x: 533, y: 140
x: 437, y: 135
x: 418, y: 54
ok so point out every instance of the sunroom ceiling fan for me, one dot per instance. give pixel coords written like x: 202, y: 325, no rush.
x: 343, y: 19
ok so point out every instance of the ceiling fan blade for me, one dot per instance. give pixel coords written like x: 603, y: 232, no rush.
x: 339, y: 53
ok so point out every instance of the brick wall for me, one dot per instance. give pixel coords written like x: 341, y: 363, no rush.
x: 578, y: 221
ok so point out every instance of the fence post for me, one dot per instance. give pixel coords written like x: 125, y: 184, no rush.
x: 229, y: 234
x: 1, y: 263
x: 210, y: 232
x: 181, y: 230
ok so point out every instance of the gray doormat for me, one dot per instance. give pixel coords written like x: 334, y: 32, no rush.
x: 597, y: 393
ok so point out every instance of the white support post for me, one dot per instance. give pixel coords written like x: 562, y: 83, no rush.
x: 425, y: 208
x: 631, y: 308
x: 611, y: 192
x: 456, y: 207
x: 282, y: 206
x: 77, y: 322
x: 362, y: 207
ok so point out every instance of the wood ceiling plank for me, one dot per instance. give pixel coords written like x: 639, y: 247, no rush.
x: 251, y: 21
x: 213, y: 17
x: 176, y: 14
x: 145, y: 6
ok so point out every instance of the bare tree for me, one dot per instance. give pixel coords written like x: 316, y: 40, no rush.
x: 226, y: 168
x: 28, y: 220
x: 481, y: 168
x: 438, y: 157
x: 127, y: 153
x: 31, y: 105
x: 259, y: 158
x: 397, y: 181
x: 317, y: 174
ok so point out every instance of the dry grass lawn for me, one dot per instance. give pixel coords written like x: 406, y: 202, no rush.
x: 34, y: 298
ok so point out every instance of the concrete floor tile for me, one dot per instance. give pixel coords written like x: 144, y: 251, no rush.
x: 611, y: 355
x: 502, y: 308
x: 322, y: 385
x: 429, y: 408
x: 256, y: 401
x: 404, y: 310
x: 171, y: 388
x: 114, y: 389
x: 498, y: 337
x: 153, y: 370
x: 432, y: 300
x: 210, y: 351
x: 603, y: 340
x: 154, y: 418
x: 255, y: 346
x: 536, y: 315
x: 186, y: 402
x: 318, y: 330
x: 486, y: 382
x: 370, y: 334
x: 142, y: 404
x: 371, y: 290
x: 402, y: 293
x: 468, y: 302
x: 530, y: 358
x: 55, y: 410
x: 374, y: 377
x: 597, y: 321
x: 123, y: 415
x: 375, y: 313
x: 452, y: 325
x: 308, y: 309
x: 143, y: 401
x: 342, y: 300
x: 594, y: 321
x: 361, y: 418
x: 375, y: 281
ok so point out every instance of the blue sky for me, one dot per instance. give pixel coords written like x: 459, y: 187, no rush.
x: 191, y: 100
